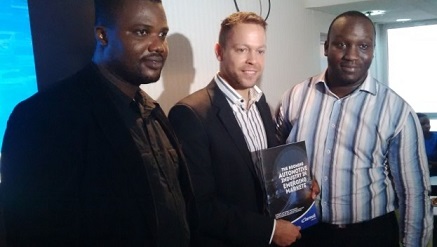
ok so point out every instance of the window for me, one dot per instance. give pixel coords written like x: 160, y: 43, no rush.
x: 17, y: 68
x: 411, y: 67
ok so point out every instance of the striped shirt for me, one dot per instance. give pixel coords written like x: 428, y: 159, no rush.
x: 248, y: 118
x: 367, y: 152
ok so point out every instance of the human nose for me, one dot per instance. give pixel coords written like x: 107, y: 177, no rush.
x: 158, y: 44
x: 351, y: 53
x: 252, y: 57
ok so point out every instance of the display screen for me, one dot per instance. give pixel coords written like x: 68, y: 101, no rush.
x: 17, y: 67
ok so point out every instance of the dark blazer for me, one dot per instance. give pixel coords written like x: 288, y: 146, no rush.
x: 72, y: 174
x: 228, y: 192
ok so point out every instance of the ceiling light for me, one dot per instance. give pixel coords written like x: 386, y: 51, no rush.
x: 402, y: 20
x: 374, y: 12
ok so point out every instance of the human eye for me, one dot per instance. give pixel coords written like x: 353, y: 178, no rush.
x: 341, y: 45
x: 364, y: 46
x: 241, y: 49
x: 163, y: 35
x: 141, y: 32
x: 261, y: 51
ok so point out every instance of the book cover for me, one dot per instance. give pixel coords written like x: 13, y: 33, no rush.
x: 285, y: 172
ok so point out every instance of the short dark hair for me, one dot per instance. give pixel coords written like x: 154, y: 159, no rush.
x: 105, y: 10
x: 237, y: 18
x: 421, y: 115
x: 351, y: 13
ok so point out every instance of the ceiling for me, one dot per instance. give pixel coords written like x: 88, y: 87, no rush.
x: 416, y: 10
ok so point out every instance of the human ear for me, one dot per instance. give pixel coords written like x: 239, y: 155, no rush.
x: 218, y: 51
x: 100, y: 34
x: 325, y: 45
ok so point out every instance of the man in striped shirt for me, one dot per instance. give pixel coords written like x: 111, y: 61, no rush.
x: 365, y: 147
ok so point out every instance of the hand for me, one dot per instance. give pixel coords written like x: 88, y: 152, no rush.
x: 315, y: 189
x: 285, y: 233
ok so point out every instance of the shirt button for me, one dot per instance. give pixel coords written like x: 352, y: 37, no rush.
x: 325, y: 178
x: 328, y: 151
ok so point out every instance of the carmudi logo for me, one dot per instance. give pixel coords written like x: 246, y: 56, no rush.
x: 309, y: 218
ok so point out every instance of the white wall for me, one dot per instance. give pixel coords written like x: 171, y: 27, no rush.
x: 293, y: 37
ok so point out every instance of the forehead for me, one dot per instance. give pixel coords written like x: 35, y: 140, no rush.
x: 141, y: 11
x: 352, y: 25
x: 247, y: 32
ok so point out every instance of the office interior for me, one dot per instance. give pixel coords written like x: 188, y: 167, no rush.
x: 63, y: 41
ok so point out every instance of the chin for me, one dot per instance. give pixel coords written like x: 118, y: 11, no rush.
x: 150, y: 79
x: 249, y: 83
x: 350, y: 80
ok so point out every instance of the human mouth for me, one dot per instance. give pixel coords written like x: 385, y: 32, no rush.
x: 154, y: 62
x: 249, y: 72
x: 349, y: 68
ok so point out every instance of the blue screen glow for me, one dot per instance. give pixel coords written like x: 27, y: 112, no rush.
x: 17, y: 67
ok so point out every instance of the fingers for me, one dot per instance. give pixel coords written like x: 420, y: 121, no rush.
x: 299, y: 235
x: 315, y: 189
x: 286, y: 233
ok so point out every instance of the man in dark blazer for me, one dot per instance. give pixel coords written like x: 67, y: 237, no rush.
x: 218, y: 127
x: 83, y: 164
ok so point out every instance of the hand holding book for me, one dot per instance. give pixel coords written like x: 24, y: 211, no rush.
x: 288, y: 185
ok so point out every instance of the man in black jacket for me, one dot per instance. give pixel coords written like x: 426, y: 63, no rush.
x: 93, y: 161
x: 219, y: 126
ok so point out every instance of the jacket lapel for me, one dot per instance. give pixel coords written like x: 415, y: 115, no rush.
x: 226, y: 117
x: 109, y: 120
x: 119, y: 138
x: 129, y: 168
x: 184, y: 178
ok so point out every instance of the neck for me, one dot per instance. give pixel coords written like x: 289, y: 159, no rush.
x: 341, y: 89
x: 244, y: 93
x: 124, y: 86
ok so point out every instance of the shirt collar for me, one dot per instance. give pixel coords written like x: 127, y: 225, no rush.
x: 147, y: 102
x: 233, y: 96
x: 369, y: 84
